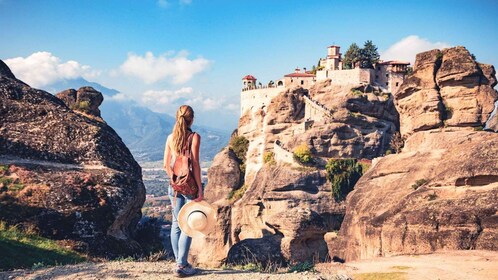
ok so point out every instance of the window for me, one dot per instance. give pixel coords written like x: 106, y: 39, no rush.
x: 397, y: 83
x: 387, y: 75
x: 387, y: 83
x: 302, y: 82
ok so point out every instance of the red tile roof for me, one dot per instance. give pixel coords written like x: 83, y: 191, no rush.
x: 249, y: 77
x: 299, y: 75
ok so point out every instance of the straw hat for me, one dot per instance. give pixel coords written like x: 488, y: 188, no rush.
x: 196, y: 219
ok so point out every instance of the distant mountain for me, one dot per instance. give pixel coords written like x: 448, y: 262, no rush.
x: 143, y: 131
x: 77, y: 83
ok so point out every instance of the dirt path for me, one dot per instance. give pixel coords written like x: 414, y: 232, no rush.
x: 444, y: 265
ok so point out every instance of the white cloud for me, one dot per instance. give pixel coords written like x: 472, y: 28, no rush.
x: 151, y: 69
x: 407, y: 48
x: 167, y: 101
x: 43, y: 68
x: 185, y: 2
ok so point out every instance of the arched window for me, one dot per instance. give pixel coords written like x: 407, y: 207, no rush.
x: 280, y: 83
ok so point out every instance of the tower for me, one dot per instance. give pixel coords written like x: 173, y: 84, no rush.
x: 333, y: 58
x: 249, y: 82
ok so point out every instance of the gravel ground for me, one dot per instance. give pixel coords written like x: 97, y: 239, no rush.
x: 444, y: 265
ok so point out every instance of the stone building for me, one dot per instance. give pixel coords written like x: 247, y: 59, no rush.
x: 390, y: 74
x: 249, y: 82
x: 303, y: 79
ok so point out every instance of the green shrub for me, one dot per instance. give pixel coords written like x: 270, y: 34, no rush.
x: 16, y: 187
x: 269, y: 158
x: 83, y: 106
x: 356, y: 92
x: 301, y: 267
x: 479, y: 128
x: 419, y: 183
x: 5, y: 181
x: 4, y: 168
x: 343, y: 175
x: 432, y: 196
x: 239, y: 145
x: 235, y: 195
x: 302, y: 154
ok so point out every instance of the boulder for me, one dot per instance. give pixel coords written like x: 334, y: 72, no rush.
x: 448, y: 88
x: 85, y: 99
x: 66, y: 175
x: 286, y: 210
x: 417, y: 100
x: 440, y: 193
x: 224, y: 178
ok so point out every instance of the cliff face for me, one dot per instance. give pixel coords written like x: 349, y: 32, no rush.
x: 64, y: 172
x: 441, y: 191
x: 279, y: 213
x: 448, y: 88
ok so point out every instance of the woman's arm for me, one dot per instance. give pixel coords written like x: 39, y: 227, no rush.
x: 196, y: 143
x: 167, y: 158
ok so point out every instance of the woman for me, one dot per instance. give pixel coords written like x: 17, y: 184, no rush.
x: 174, y: 144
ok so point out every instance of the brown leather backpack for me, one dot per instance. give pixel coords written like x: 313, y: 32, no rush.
x: 183, y: 180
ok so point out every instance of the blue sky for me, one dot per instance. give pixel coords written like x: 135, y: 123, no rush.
x: 162, y: 53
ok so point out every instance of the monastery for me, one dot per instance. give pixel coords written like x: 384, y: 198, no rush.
x: 387, y: 75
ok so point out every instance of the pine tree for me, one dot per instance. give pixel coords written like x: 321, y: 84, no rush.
x: 369, y: 55
x: 351, y: 57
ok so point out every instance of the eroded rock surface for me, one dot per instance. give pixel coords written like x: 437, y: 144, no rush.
x: 448, y: 88
x: 66, y: 175
x: 441, y: 191
x: 85, y: 99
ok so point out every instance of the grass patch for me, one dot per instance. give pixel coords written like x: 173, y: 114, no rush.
x: 301, y: 267
x: 432, y: 196
x: 23, y: 250
x: 419, y: 183
x: 16, y: 187
x: 356, y: 92
x: 269, y: 158
x: 381, y: 276
x: 235, y: 195
x: 4, y: 167
x: 5, y: 181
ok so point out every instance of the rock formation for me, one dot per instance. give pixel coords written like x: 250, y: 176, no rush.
x: 65, y: 174
x: 85, y: 99
x: 279, y: 213
x: 448, y: 88
x: 441, y: 191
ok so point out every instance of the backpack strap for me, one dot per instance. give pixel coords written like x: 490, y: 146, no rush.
x: 187, y: 149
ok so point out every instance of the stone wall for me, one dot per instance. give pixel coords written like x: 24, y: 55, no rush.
x: 257, y: 98
x: 345, y: 77
x: 282, y: 155
x: 314, y: 111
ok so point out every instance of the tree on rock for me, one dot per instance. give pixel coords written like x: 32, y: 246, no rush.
x: 369, y: 55
x: 351, y: 57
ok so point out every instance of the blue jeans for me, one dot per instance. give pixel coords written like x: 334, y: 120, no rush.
x: 179, y: 240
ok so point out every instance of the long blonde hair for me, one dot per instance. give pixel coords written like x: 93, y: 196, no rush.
x: 184, y: 119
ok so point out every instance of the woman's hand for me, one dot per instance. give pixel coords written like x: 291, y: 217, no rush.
x: 200, y: 197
